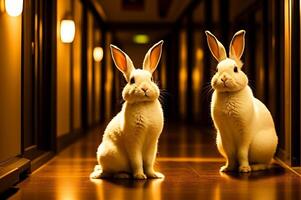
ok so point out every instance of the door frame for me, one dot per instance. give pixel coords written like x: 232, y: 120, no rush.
x: 41, y: 70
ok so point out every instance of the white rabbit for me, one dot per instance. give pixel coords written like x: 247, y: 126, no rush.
x: 129, y: 144
x: 246, y: 134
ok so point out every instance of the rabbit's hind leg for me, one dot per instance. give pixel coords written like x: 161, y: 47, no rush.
x: 113, y: 160
x: 262, y: 149
x: 259, y: 167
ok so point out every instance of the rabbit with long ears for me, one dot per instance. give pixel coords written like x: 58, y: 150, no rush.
x: 129, y: 144
x: 246, y: 134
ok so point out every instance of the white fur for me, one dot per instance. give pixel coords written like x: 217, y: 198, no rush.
x: 129, y: 144
x: 246, y: 134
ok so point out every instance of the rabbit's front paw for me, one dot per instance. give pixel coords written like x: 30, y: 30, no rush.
x: 226, y: 168
x: 139, y: 176
x: 97, y: 168
x: 154, y: 175
x: 99, y: 174
x: 245, y: 168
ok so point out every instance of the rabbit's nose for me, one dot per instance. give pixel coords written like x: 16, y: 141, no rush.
x: 224, y: 79
x: 144, y: 89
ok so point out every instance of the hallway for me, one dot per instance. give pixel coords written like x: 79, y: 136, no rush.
x: 190, y: 165
x: 62, y: 81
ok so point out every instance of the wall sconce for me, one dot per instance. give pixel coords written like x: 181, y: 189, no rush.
x: 199, y: 54
x: 67, y: 30
x: 97, y: 54
x: 14, y: 8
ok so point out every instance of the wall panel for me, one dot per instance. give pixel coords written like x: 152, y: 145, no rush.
x: 77, y: 67
x: 90, y: 44
x: 10, y: 87
x: 182, y: 72
x: 97, y: 78
x: 109, y: 78
x: 63, y: 74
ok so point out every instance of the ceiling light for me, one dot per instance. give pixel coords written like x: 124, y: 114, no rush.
x: 141, y: 39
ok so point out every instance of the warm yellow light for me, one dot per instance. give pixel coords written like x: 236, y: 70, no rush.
x: 199, y: 54
x: 14, y: 7
x: 97, y: 54
x: 141, y: 39
x: 67, y: 31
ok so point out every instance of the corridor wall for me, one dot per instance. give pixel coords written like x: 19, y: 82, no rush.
x: 10, y: 86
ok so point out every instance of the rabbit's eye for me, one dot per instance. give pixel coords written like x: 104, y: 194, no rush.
x: 152, y: 79
x: 132, y: 80
x: 235, y: 69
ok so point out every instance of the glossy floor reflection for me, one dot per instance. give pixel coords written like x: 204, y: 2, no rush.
x: 188, y: 158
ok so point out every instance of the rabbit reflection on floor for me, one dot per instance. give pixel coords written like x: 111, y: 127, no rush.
x: 246, y: 134
x: 129, y: 145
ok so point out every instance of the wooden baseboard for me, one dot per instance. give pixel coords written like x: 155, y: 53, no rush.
x: 12, y: 170
x: 296, y: 170
x: 284, y: 156
x: 40, y: 160
x: 67, y: 139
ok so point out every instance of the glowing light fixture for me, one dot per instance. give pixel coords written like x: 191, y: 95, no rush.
x: 141, y: 39
x: 67, y: 30
x: 199, y: 54
x: 97, y: 54
x: 14, y: 7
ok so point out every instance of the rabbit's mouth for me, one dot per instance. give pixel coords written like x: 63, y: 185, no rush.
x: 225, y: 84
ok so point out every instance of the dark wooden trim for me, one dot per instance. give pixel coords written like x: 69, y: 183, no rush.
x: 205, y: 101
x: 190, y: 65
x: 103, y: 75
x: 249, y: 10
x: 224, y: 19
x: 279, y: 60
x: 11, y: 171
x: 93, y: 96
x: 27, y: 75
x: 22, y: 82
x: 91, y: 7
x: 189, y: 10
x: 142, y: 26
x: 41, y: 159
x: 47, y: 132
x: 252, y: 47
x: 67, y: 139
x: 266, y: 52
x: 175, y: 82
x: 98, y: 9
x: 84, y: 84
x: 71, y: 87
x: 14, y: 170
x: 71, y: 112
x: 113, y: 99
x: 295, y: 84
x: 37, y: 157
x: 38, y: 99
x: 171, y: 103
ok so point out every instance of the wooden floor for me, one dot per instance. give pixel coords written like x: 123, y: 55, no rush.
x: 188, y: 158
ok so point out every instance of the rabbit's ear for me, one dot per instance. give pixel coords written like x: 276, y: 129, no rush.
x: 237, y: 45
x: 122, y: 61
x: 152, y: 57
x: 216, y: 48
